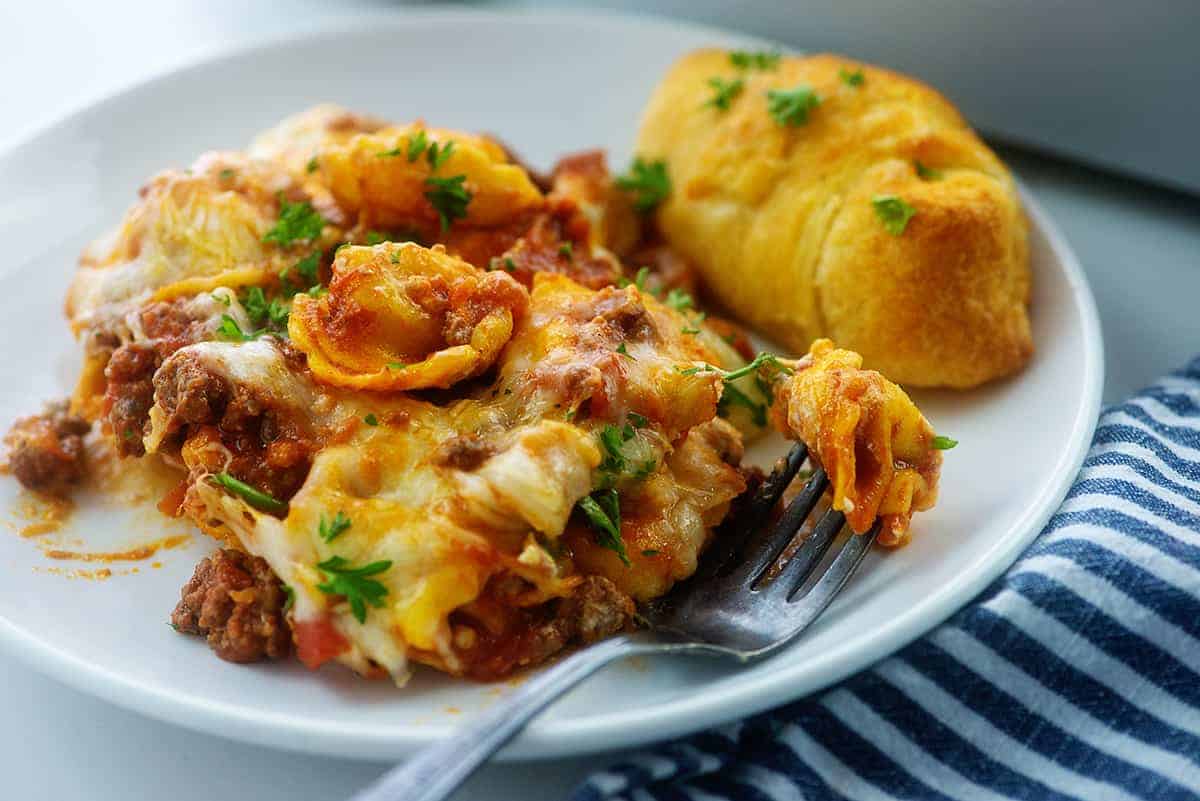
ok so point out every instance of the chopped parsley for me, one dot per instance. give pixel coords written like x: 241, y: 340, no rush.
x: 603, y: 511
x: 651, y: 552
x: 894, y: 212
x: 222, y: 299
x: 374, y: 238
x: 437, y: 156
x: 448, y: 197
x: 291, y: 597
x: 371, y: 420
x: 926, y: 173
x: 388, y: 154
x: 354, y: 583
x: 755, y: 60
x: 649, y: 183
x: 396, y: 365
x: 621, y: 349
x: 691, y: 331
x: 612, y: 443
x: 311, y: 167
x: 271, y: 314
x: 732, y: 396
x: 761, y: 360
x: 638, y: 420
x: 308, y: 267
x: 679, y: 300
x: 297, y: 222
x: 255, y: 497
x: 330, y: 530
x: 645, y: 470
x: 226, y: 174
x: 724, y: 92
x: 944, y: 443
x: 639, y: 279
x: 506, y: 264
x: 567, y: 250
x: 790, y: 107
x: 849, y: 78
x: 229, y: 329
x: 416, y: 145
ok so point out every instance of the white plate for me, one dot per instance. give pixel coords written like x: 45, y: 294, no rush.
x: 548, y: 84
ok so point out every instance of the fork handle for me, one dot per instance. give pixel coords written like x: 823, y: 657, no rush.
x: 436, y: 771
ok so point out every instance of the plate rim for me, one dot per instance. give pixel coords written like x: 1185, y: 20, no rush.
x: 602, y: 732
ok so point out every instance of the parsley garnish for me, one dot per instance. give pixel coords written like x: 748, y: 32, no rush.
x: 374, y: 238
x: 621, y: 349
x: 222, y: 299
x: 387, y: 154
x: 437, y: 157
x: 506, y: 264
x: 790, y: 107
x: 308, y: 266
x: 754, y: 60
x: 944, y: 443
x: 686, y: 330
x: 371, y: 420
x: 297, y: 221
x: 396, y: 365
x: 311, y: 167
x: 603, y: 511
x: 229, y: 329
x: 894, y: 212
x: 291, y: 597
x: 226, y: 174
x: 567, y: 250
x: 926, y: 173
x: 354, y: 583
x: 255, y: 497
x: 416, y: 144
x: 645, y: 470
x: 679, y: 300
x: 612, y: 441
x: 761, y: 360
x: 849, y: 78
x: 639, y: 279
x: 255, y: 303
x: 731, y: 396
x: 638, y: 420
x: 650, y: 552
x: 724, y: 92
x: 649, y: 183
x: 449, y: 198
x: 332, y: 529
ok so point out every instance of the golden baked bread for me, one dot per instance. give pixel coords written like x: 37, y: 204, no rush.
x: 798, y: 221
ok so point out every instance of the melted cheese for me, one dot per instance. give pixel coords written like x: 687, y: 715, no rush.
x: 870, y: 437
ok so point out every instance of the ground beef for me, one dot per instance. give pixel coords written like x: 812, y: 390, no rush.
x: 268, y: 448
x: 45, y: 451
x: 236, y: 602
x: 464, y: 452
x: 595, y: 610
x: 129, y: 393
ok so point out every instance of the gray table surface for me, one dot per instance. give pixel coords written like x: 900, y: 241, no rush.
x: 1139, y: 246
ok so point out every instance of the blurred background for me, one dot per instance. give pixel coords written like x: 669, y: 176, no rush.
x: 1110, y: 84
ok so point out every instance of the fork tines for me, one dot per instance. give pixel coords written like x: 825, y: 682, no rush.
x: 764, y: 549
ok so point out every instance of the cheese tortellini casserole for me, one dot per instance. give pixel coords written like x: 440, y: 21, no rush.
x: 436, y: 407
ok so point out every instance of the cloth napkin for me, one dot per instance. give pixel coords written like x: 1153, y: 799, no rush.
x: 1076, y: 675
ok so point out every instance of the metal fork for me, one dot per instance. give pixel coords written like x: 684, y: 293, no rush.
x: 735, y: 606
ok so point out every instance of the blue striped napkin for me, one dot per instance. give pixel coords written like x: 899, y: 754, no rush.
x: 1076, y: 675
